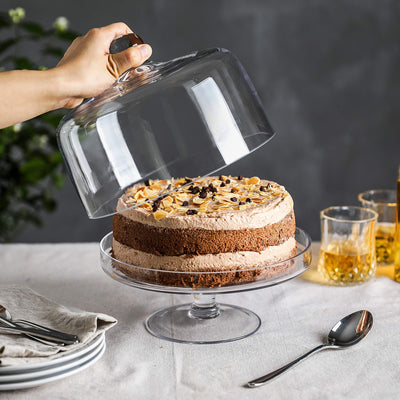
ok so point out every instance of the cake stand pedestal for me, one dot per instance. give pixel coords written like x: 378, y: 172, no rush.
x: 205, y: 321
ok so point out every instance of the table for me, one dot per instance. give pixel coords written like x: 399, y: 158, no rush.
x: 296, y: 316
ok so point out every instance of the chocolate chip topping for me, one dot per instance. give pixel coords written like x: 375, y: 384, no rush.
x: 212, y: 188
x: 248, y: 200
x: 191, y: 212
x: 222, y: 184
x: 147, y: 182
x: 241, y: 203
x: 234, y: 199
x: 228, y: 181
x: 240, y: 177
x: 203, y: 193
x: 185, y: 203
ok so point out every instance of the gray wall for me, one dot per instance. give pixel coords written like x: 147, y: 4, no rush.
x: 328, y: 74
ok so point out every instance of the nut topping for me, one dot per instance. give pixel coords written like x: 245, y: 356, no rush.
x: 248, y: 193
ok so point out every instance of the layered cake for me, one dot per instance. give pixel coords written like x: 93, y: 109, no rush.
x: 207, y: 232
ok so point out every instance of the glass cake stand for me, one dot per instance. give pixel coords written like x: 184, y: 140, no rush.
x: 205, y: 321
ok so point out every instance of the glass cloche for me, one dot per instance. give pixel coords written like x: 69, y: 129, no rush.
x: 190, y: 116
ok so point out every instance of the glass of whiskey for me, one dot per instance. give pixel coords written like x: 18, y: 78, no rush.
x: 347, y: 254
x: 383, y: 201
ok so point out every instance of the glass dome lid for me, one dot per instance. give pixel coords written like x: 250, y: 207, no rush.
x: 188, y: 117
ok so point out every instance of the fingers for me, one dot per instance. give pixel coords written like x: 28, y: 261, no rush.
x: 129, y: 58
x: 117, y: 29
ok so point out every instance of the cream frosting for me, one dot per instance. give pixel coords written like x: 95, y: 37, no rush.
x: 270, y: 211
x: 205, y: 262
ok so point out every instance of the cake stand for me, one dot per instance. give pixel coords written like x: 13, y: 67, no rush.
x: 204, y: 320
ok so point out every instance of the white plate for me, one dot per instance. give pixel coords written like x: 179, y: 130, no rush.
x: 50, y: 363
x: 39, y: 372
x: 54, y: 376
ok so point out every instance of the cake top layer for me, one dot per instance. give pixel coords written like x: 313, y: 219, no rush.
x: 225, y: 199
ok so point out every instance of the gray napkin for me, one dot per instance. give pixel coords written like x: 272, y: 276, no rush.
x: 24, y: 303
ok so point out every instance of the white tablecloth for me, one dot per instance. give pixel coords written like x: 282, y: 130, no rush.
x: 296, y: 316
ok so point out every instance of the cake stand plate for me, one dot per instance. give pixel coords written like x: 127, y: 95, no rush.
x: 205, y: 321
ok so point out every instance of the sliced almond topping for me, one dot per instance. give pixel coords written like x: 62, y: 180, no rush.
x: 146, y: 205
x: 181, y: 196
x: 149, y: 193
x: 160, y: 214
x: 255, y: 180
x: 155, y: 186
x: 180, y: 182
x: 197, y: 200
x: 139, y: 195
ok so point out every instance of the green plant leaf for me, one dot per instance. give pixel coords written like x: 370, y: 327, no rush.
x: 58, y: 180
x: 54, y: 51
x: 69, y: 36
x: 6, y: 44
x: 23, y: 63
x: 55, y: 159
x: 35, y: 169
x: 33, y: 28
x: 5, y: 21
x: 49, y: 204
x: 51, y: 118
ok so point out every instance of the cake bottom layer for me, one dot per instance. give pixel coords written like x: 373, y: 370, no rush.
x: 206, y: 270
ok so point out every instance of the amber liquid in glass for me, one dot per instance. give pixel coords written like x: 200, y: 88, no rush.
x: 343, y: 264
x: 397, y: 252
x: 385, y: 244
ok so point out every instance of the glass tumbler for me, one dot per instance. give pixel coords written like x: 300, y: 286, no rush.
x: 384, y: 203
x: 347, y: 255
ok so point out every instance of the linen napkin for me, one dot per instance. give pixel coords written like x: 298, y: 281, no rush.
x: 24, y: 303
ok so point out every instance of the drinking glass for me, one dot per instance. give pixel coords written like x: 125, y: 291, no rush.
x: 347, y: 255
x: 384, y: 203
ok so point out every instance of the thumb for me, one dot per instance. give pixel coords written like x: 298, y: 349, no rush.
x: 130, y: 58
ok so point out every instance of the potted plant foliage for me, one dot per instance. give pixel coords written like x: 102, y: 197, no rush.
x: 30, y: 163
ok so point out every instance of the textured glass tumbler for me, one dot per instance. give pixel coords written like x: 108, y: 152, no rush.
x: 347, y: 255
x: 384, y: 203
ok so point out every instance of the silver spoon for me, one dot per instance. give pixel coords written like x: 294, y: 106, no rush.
x: 348, y: 331
x: 45, y: 334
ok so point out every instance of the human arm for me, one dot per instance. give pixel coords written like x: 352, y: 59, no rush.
x: 86, y: 70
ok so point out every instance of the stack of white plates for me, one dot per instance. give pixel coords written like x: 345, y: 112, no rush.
x: 35, y: 374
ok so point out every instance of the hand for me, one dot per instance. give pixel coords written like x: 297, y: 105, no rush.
x: 87, y: 68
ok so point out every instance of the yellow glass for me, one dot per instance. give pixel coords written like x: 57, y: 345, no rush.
x: 384, y: 203
x: 347, y: 254
x: 397, y: 238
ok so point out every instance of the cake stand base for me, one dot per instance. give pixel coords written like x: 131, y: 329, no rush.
x: 203, y: 322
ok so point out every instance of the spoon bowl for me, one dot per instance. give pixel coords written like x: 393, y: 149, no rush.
x: 351, y: 329
x: 347, y: 332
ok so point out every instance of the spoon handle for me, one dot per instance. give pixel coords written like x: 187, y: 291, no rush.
x: 264, y: 379
x: 40, y: 333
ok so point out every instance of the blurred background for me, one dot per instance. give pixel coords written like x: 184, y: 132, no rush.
x: 328, y: 75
